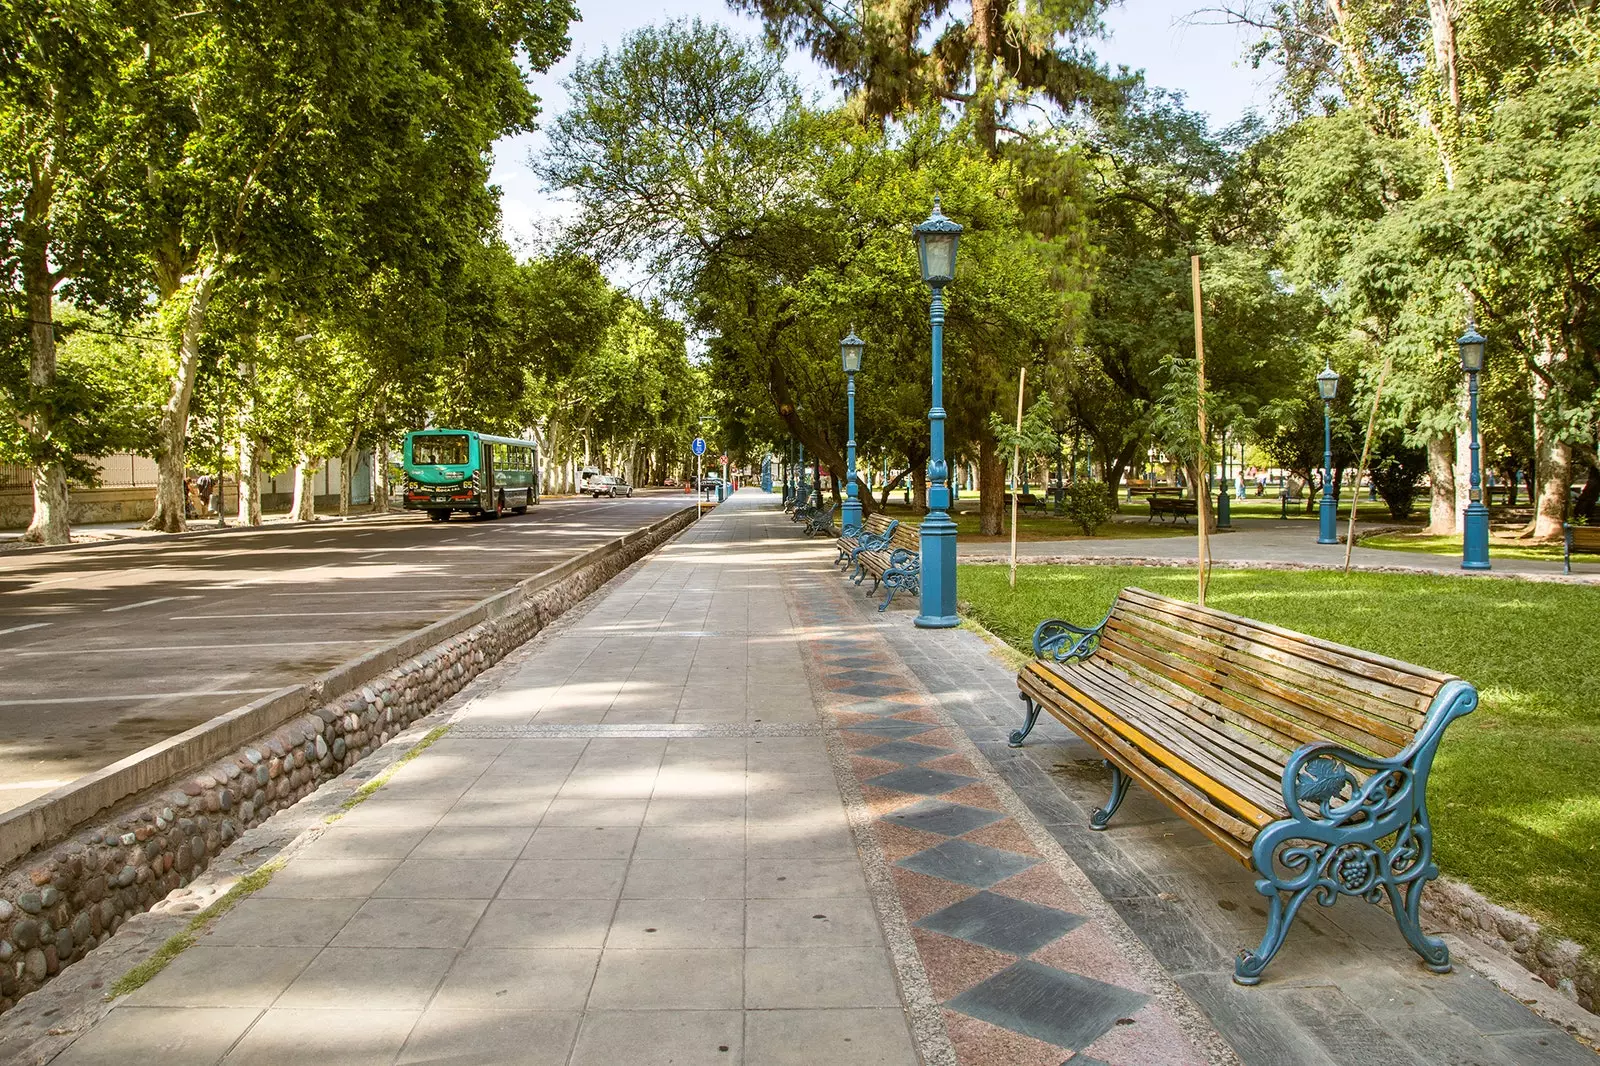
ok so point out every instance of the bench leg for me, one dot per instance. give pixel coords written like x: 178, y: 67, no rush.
x: 884, y: 606
x: 1435, y: 952
x: 1280, y: 915
x: 1119, y: 790
x: 1019, y: 735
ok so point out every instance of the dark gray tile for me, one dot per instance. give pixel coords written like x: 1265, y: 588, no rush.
x: 864, y: 674
x: 922, y: 781
x: 946, y: 819
x: 1003, y: 923
x: 1550, y: 1048
x: 969, y: 864
x: 891, y: 727
x: 1173, y: 937
x: 1483, y: 1005
x: 881, y: 707
x: 905, y: 751
x: 1060, y: 1008
x: 1344, y: 1031
x: 869, y: 688
x: 1112, y: 872
x: 1251, y: 1023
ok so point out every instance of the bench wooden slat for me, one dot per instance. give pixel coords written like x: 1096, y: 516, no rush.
x: 1254, y: 693
x: 1356, y: 661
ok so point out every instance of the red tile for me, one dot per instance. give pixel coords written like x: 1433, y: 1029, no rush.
x: 1090, y: 952
x: 975, y: 796
x: 1153, y: 1039
x: 981, y: 1044
x: 921, y: 895
x: 1004, y: 834
x: 1040, y: 885
x: 882, y: 801
x: 952, y: 764
x: 898, y: 841
x: 953, y: 966
x: 864, y: 767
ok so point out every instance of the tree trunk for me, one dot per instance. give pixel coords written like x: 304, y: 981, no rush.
x: 173, y: 429
x: 1442, y: 491
x: 1584, y: 506
x: 305, y: 493
x: 919, y: 488
x: 347, y: 466
x: 249, y: 480
x: 1464, y: 464
x: 991, y: 487
x: 1554, y: 462
x: 49, y: 524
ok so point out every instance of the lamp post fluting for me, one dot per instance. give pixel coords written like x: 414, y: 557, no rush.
x: 1475, y: 530
x: 850, y: 349
x: 937, y: 237
x: 1328, y: 514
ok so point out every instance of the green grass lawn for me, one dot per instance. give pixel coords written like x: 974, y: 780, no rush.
x: 1040, y: 527
x: 1515, y: 793
x: 1499, y: 548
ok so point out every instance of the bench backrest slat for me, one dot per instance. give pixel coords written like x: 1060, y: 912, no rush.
x: 876, y: 522
x: 907, y: 537
x: 1585, y: 538
x: 1274, y: 684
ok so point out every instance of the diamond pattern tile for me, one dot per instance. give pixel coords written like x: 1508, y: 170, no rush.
x: 1003, y: 923
x: 970, y: 864
x: 881, y: 707
x: 869, y: 688
x: 863, y: 674
x: 905, y: 751
x: 891, y: 727
x: 1064, y: 1009
x: 922, y: 781
x: 946, y: 819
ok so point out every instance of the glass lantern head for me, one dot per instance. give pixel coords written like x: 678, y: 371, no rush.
x: 1472, y: 345
x: 850, y: 350
x: 937, y: 237
x: 1327, y: 383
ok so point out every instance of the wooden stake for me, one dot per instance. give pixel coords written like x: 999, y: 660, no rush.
x: 1366, y: 450
x: 1016, y: 462
x: 1202, y: 466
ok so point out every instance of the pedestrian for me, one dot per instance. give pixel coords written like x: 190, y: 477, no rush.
x: 203, y: 485
x: 191, y: 499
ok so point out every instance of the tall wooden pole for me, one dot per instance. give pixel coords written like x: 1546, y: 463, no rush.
x: 1016, y: 464
x: 1202, y: 490
x: 1366, y: 450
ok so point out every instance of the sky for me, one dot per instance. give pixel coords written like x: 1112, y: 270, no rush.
x: 1176, y: 48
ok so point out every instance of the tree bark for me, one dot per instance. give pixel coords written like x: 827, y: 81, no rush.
x: 347, y: 466
x: 174, y: 425
x: 991, y: 487
x: 249, y: 480
x: 919, y: 488
x: 1554, y: 455
x: 49, y: 524
x: 305, y: 495
x: 1442, y: 491
x: 1464, y: 462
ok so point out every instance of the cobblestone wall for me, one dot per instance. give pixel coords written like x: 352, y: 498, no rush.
x: 55, y: 907
x: 1561, y: 964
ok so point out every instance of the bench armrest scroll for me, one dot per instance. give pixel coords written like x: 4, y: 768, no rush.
x: 1059, y: 639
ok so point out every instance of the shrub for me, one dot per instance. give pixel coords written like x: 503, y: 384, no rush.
x: 1397, y: 471
x: 1089, y: 505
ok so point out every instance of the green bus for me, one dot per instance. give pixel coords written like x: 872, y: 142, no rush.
x: 450, y: 470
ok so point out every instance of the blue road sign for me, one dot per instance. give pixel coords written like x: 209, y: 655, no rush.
x: 699, y: 445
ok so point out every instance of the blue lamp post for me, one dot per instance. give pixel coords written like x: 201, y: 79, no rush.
x: 1328, y: 515
x: 1475, y: 533
x: 937, y: 238
x: 850, y: 350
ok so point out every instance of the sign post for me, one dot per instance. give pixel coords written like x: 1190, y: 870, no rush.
x: 699, y: 489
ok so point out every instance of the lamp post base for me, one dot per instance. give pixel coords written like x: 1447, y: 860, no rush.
x: 938, y: 542
x: 1475, y: 538
x: 850, y: 517
x: 1328, y: 522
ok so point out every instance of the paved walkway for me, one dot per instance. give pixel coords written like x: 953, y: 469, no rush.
x: 1266, y: 540
x: 728, y: 813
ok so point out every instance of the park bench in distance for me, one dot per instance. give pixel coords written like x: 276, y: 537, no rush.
x: 1303, y: 759
x: 897, y: 565
x: 1140, y: 487
x: 1172, y: 505
x: 1580, y: 539
x: 1026, y: 500
x: 875, y: 527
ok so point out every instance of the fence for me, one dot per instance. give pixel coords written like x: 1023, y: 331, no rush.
x: 117, y: 471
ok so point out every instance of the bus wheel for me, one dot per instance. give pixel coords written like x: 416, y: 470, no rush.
x: 499, y: 506
x: 439, y: 516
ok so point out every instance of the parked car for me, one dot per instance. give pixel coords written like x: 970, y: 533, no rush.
x: 608, y: 485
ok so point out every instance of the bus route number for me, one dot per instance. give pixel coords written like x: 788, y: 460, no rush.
x: 699, y: 445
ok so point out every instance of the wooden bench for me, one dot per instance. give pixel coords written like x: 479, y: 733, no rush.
x: 819, y: 521
x: 1027, y: 500
x: 1580, y: 539
x: 1137, y: 487
x: 897, y: 565
x: 1172, y: 505
x: 875, y: 527
x: 1303, y: 759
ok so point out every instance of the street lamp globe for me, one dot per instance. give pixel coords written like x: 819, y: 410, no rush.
x: 937, y: 237
x: 1328, y: 383
x: 850, y: 350
x: 1472, y: 345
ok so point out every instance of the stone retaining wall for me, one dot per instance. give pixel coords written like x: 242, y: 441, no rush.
x: 57, y: 904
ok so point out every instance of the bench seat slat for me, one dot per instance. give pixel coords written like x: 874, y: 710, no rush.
x: 1137, y: 736
x: 1209, y: 752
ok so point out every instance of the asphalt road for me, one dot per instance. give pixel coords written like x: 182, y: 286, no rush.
x: 106, y: 650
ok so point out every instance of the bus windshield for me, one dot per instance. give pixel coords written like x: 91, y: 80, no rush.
x: 446, y: 449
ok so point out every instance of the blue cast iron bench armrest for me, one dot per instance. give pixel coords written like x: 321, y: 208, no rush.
x: 1305, y: 760
x: 901, y: 552
x: 873, y: 527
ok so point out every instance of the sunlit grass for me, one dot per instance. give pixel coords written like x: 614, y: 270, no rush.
x: 1515, y: 794
x: 1432, y: 545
